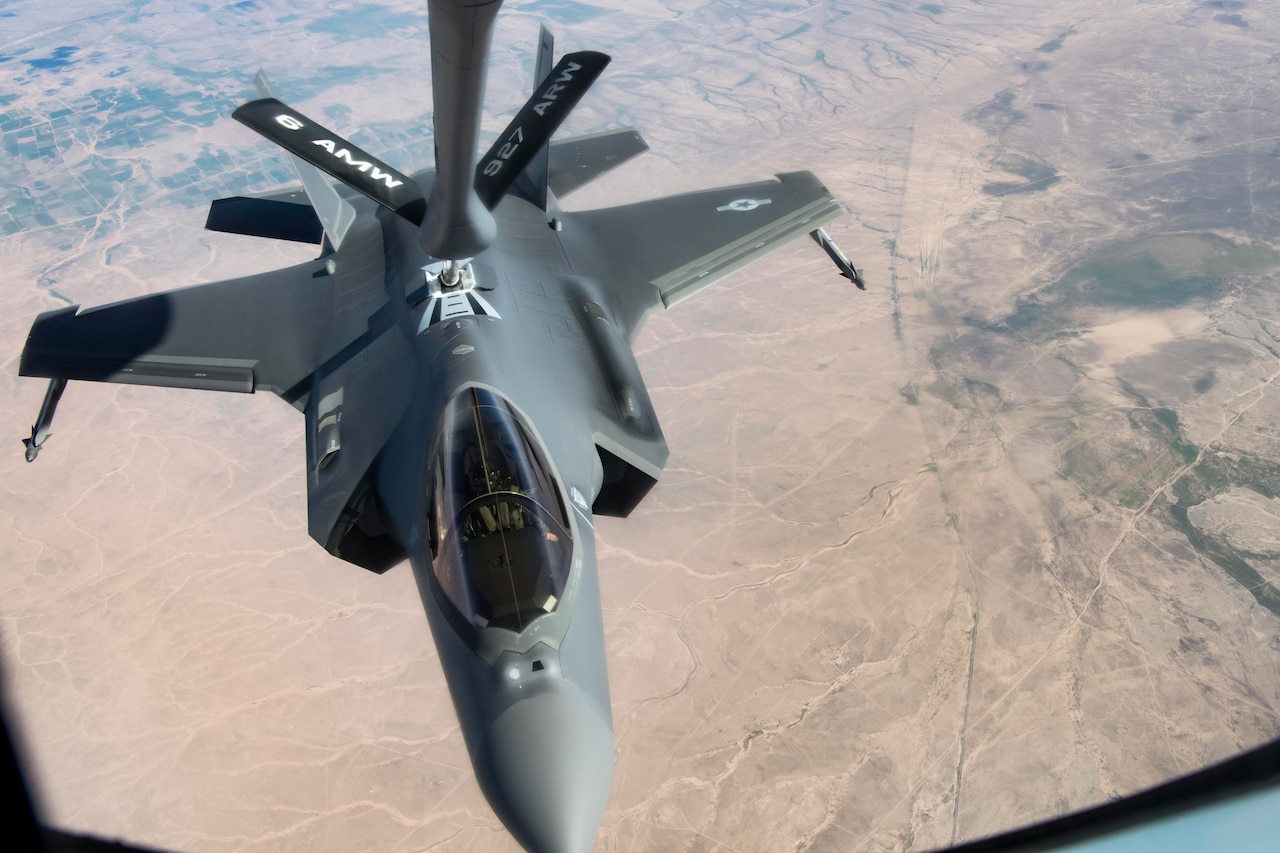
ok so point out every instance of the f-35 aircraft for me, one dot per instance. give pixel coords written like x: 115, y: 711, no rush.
x: 460, y: 351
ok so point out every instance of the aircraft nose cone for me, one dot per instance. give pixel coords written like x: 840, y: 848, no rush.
x: 549, y: 764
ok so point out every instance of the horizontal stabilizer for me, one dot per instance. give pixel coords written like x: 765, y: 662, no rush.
x: 266, y: 217
x: 537, y: 120
x: 332, y: 154
x: 531, y: 185
x: 581, y: 159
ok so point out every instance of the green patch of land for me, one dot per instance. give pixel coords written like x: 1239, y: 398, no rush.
x: 1227, y: 558
x: 997, y: 114
x: 1216, y: 472
x: 1219, y: 470
x: 1204, y: 383
x: 1165, y: 271
x: 1154, y: 273
x: 1125, y: 462
x: 1038, y: 175
x: 1127, y: 467
x: 1056, y: 44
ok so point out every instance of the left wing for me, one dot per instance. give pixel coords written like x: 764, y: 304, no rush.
x: 661, y: 252
x: 260, y: 332
x: 297, y: 332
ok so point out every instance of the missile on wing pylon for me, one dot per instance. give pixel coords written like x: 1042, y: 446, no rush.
x: 833, y: 251
x: 40, y: 429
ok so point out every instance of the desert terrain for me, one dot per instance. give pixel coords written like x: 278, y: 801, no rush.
x: 993, y: 541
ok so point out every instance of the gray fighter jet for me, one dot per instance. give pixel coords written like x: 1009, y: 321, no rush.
x: 460, y: 351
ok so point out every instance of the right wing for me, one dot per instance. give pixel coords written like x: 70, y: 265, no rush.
x: 663, y: 251
x: 263, y: 331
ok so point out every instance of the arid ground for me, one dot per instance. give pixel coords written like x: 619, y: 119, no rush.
x: 995, y: 540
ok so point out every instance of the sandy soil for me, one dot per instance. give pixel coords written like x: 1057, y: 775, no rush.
x: 913, y: 574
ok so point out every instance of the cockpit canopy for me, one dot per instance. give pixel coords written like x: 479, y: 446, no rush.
x: 500, y: 540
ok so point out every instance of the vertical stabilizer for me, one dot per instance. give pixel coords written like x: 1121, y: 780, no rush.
x: 532, y: 183
x: 528, y: 133
x: 335, y: 213
x: 457, y: 224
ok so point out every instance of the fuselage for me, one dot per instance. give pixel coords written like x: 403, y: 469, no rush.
x: 468, y: 414
x: 531, y: 690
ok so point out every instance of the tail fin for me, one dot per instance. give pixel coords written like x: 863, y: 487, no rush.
x: 331, y: 154
x: 335, y: 214
x: 531, y: 185
x: 540, y: 117
x: 455, y: 222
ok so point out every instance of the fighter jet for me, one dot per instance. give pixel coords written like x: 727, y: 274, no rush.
x: 461, y: 353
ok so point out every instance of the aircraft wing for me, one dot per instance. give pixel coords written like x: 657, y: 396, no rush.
x: 242, y: 334
x: 326, y: 343
x: 661, y: 252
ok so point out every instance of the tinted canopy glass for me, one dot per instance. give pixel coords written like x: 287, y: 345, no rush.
x: 502, y: 547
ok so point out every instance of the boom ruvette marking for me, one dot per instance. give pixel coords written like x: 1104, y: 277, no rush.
x: 460, y: 350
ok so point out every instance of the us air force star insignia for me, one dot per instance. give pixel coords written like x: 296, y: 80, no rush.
x: 745, y: 204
